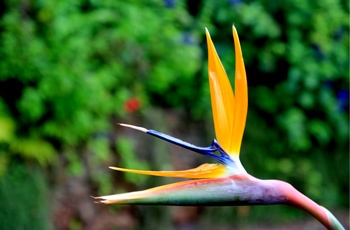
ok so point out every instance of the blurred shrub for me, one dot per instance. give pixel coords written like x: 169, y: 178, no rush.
x: 68, y: 67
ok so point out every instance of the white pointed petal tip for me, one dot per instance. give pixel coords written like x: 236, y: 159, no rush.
x: 134, y: 127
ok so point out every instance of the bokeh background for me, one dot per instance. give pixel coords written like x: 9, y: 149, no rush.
x: 71, y: 70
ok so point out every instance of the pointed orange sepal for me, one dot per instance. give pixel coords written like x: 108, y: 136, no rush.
x: 201, y: 172
x: 222, y: 99
x: 241, y: 93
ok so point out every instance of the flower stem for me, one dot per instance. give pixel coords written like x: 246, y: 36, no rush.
x: 299, y: 200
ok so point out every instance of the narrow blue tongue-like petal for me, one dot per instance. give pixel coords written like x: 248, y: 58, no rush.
x: 223, y: 158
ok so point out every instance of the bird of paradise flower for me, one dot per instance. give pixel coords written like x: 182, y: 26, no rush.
x: 227, y: 182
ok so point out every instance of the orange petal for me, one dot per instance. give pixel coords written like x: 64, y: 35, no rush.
x: 241, y: 93
x: 203, y: 171
x: 222, y: 98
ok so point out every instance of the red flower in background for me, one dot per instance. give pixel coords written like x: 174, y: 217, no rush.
x: 132, y: 105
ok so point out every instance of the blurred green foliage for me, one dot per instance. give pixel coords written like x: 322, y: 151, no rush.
x: 69, y: 68
x: 24, y: 199
x: 128, y: 159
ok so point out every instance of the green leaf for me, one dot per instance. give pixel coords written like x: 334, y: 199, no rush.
x: 7, y: 129
x: 34, y: 149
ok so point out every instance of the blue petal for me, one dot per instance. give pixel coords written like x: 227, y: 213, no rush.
x: 209, y: 151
